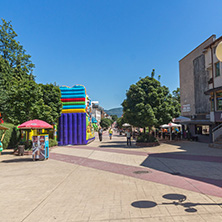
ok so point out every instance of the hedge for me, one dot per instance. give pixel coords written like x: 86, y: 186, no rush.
x: 146, y: 138
x: 52, y: 142
x: 12, y: 136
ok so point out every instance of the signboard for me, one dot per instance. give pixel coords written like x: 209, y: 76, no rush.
x: 185, y: 108
x: 40, y: 146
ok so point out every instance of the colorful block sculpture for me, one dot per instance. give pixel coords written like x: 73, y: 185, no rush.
x: 75, y: 123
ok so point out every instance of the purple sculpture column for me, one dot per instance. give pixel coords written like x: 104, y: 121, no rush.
x: 84, y: 128
x: 60, y: 143
x: 65, y: 122
x: 79, y: 128
x: 70, y: 128
x: 74, y: 121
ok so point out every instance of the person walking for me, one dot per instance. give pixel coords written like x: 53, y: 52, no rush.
x: 110, y: 133
x: 100, y: 134
x: 128, y: 137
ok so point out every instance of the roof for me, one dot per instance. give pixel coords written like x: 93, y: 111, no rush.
x: 212, y: 90
x: 212, y: 36
x: 217, y: 40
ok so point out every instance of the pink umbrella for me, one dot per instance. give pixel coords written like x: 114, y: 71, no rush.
x: 35, y: 124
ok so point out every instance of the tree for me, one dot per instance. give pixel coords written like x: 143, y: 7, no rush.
x: 21, y: 98
x: 120, y: 121
x: 52, y: 102
x: 28, y: 100
x: 14, y: 53
x: 148, y: 103
x: 176, y: 94
x: 24, y: 102
x: 114, y: 117
x: 105, y: 123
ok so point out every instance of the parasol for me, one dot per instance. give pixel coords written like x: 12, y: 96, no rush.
x: 35, y: 124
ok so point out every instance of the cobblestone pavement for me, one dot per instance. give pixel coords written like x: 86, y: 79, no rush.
x: 108, y: 181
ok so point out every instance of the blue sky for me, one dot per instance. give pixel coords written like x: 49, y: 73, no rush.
x: 107, y: 45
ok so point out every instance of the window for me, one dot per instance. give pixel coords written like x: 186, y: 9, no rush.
x: 202, y: 129
x: 219, y: 100
x: 212, y: 103
x: 217, y: 69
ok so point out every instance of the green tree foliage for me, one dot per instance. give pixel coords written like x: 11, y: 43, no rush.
x: 24, y: 102
x: 114, y: 117
x: 120, y: 121
x: 148, y: 103
x: 13, y: 52
x: 27, y: 100
x: 12, y: 136
x: 105, y: 123
x: 21, y: 98
x: 52, y: 102
x: 176, y: 94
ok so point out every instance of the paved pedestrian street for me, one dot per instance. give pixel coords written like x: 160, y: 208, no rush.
x: 108, y: 181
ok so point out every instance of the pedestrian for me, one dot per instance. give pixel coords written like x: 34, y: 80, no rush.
x: 110, y: 133
x: 100, y: 134
x: 128, y: 137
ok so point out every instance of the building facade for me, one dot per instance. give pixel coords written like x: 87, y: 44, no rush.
x: 195, y: 103
x: 213, y: 67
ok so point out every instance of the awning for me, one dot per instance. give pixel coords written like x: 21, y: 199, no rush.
x: 181, y: 119
x: 198, y: 122
x: 213, y: 90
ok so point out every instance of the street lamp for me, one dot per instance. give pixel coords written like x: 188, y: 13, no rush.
x: 219, y: 51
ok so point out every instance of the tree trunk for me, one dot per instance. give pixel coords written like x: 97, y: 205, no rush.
x: 149, y: 129
x: 144, y: 130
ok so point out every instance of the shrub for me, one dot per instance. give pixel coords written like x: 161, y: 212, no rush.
x: 52, y: 142
x: 146, y: 138
x: 12, y: 136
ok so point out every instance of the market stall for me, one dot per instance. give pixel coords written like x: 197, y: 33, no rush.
x: 40, y: 143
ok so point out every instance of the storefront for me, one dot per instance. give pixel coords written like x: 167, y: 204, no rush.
x: 201, y: 130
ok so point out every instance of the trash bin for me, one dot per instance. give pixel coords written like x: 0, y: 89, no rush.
x: 21, y: 149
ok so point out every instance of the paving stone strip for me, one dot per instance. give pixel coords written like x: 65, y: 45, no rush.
x: 216, y: 159
x: 153, y: 175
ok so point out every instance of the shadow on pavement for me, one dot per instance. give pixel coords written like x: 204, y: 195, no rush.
x: 119, y: 146
x: 178, y: 200
x: 7, y: 152
x: 18, y: 160
x: 185, y: 164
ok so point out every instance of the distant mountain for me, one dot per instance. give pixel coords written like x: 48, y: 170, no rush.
x: 115, y: 111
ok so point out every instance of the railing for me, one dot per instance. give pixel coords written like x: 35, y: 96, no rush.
x: 216, y: 132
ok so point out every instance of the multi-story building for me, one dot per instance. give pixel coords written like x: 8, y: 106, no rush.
x: 97, y: 111
x: 213, y: 67
x: 195, y: 104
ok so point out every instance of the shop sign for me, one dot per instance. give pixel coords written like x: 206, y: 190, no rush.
x: 185, y: 108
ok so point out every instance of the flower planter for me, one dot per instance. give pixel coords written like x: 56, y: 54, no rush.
x: 147, y: 144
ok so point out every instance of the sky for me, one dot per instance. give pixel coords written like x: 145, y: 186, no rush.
x: 107, y: 45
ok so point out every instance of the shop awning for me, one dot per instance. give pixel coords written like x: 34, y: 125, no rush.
x: 198, y: 122
x: 208, y: 92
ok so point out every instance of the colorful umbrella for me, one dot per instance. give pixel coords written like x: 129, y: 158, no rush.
x: 35, y: 124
